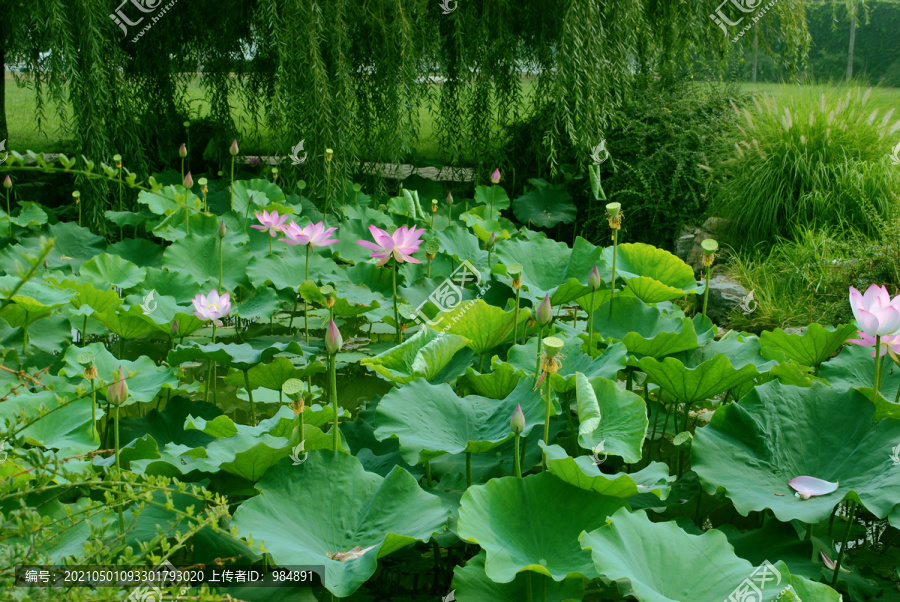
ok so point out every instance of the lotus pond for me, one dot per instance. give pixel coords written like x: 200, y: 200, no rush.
x: 426, y: 400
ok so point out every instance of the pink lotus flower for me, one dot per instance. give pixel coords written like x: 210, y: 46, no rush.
x: 495, y: 177
x: 117, y: 392
x: 271, y: 222
x: 315, y: 235
x: 401, y: 245
x: 807, y: 487
x: 212, y: 306
x: 890, y: 345
x: 875, y: 312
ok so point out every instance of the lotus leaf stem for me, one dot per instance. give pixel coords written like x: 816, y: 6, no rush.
x: 612, y: 289
x: 468, y: 469
x: 537, y: 367
x: 547, y: 422
x: 428, y: 473
x: 706, y: 292
x: 396, y: 314
x: 332, y: 369
x: 118, y: 473
x: 94, y: 409
x: 528, y: 594
x: 9, y: 215
x: 250, y: 395
x: 305, y: 303
x: 878, y: 365
x: 517, y: 462
x: 850, y: 520
x: 516, y: 320
x: 25, y: 335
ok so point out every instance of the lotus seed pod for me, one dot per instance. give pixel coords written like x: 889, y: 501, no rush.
x: 514, y: 271
x: 85, y: 359
x: 117, y: 159
x: 328, y: 154
x: 7, y: 183
x: 357, y: 187
x: 517, y: 423
x: 594, y: 279
x: 552, y: 346
x: 709, y: 246
x: 292, y: 387
x: 274, y: 173
x: 544, y: 312
x: 234, y: 148
x: 333, y: 339
x: 182, y: 151
x: 431, y: 248
x: 188, y: 181
x: 301, y: 184
x: 117, y: 392
x: 77, y: 196
x: 613, y: 209
x: 434, y: 205
x: 187, y: 124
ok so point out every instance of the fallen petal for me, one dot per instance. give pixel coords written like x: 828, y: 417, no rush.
x: 807, y: 487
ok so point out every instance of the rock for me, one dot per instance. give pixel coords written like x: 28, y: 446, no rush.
x: 725, y: 295
x: 685, y: 242
x: 717, y: 227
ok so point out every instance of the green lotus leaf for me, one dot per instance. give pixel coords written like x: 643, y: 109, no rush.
x: 501, y: 228
x: 74, y: 243
x: 171, y: 228
x: 128, y: 324
x: 355, y: 510
x: 545, y: 206
x: 144, y: 378
x: 450, y: 424
x: 645, y: 330
x: 775, y: 540
x: 112, y: 269
x: 87, y: 295
x: 270, y: 375
x: 496, y: 195
x: 811, y: 348
x: 779, y: 432
x: 584, y: 473
x: 241, y: 357
x: 62, y: 421
x: 653, y: 274
x: 31, y: 215
x: 610, y: 416
x: 263, y: 193
x: 533, y: 524
x: 198, y: 256
x: 261, y: 306
x: 176, y: 284
x: 139, y: 251
x: 168, y: 200
x: 574, y: 360
x: 287, y: 272
x: 742, y: 349
x: 497, y: 385
x: 167, y: 426
x: 471, y: 584
x: 679, y: 566
x: 855, y: 367
x: 143, y: 217
x: 34, y: 297
x: 552, y: 268
x: 485, y: 326
x: 460, y: 244
x: 423, y: 355
x: 351, y: 300
x: 51, y: 334
x: 690, y: 385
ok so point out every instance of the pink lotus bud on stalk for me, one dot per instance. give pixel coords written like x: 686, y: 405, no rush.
x: 544, y: 312
x: 492, y: 240
x: 222, y: 229
x: 517, y: 423
x: 234, y: 150
x: 7, y: 183
x: 495, y: 177
x: 175, y: 328
x: 333, y: 339
x: 117, y: 392
x: 188, y: 181
x: 182, y: 151
x: 594, y: 279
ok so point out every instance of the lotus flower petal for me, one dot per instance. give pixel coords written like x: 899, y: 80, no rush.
x: 807, y: 487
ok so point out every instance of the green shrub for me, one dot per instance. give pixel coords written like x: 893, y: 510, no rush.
x: 808, y: 160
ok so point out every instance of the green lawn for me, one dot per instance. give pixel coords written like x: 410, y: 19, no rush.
x: 25, y: 133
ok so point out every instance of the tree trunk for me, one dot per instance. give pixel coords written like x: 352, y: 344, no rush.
x: 755, y: 52
x: 852, y: 44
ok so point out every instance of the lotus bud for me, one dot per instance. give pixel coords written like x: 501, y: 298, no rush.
x: 77, y: 196
x: 449, y: 198
x: 182, y: 151
x: 492, y: 240
x: 174, y: 328
x: 594, y: 279
x: 118, y: 160
x: 328, y: 154
x: 188, y: 181
x: 517, y: 423
x: 434, y: 205
x: 495, y: 177
x: 222, y: 229
x: 234, y: 148
x: 117, y: 392
x: 333, y: 339
x: 544, y: 312
x: 46, y: 265
x: 515, y: 272
x: 7, y: 183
